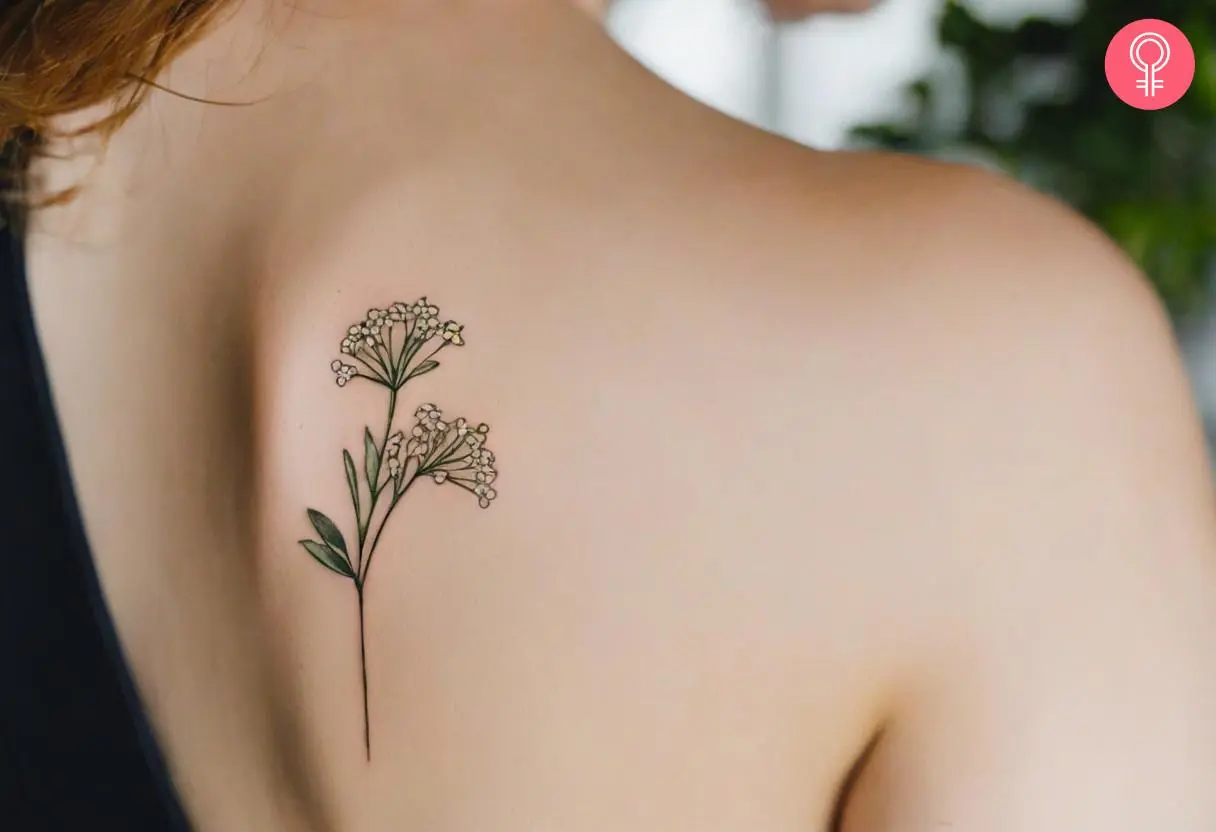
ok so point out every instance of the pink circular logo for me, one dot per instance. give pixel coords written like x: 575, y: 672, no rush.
x: 1150, y: 64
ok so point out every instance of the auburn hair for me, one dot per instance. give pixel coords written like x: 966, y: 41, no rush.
x: 61, y: 56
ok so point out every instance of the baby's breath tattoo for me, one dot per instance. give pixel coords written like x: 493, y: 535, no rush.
x: 392, y: 347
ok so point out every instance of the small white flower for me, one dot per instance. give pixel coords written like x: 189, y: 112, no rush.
x: 343, y: 372
x: 452, y: 333
x: 430, y: 418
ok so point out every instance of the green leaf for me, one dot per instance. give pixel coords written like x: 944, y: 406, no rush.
x: 328, y: 558
x: 371, y: 459
x: 329, y: 532
x: 422, y: 369
x: 352, y: 480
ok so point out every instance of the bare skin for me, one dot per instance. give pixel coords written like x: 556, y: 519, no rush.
x: 800, y: 455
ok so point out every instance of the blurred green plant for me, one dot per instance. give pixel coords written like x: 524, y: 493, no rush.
x: 1147, y: 177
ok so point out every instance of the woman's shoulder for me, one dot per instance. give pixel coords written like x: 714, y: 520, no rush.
x: 954, y: 256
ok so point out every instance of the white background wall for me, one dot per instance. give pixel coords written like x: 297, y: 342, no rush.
x: 813, y: 81
x: 810, y: 81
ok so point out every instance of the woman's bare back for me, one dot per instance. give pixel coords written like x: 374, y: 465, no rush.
x: 780, y: 450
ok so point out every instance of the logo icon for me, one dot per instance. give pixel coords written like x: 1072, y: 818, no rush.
x: 1150, y: 64
x: 1151, y: 81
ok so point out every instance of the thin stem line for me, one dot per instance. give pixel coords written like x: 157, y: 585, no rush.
x: 409, y: 354
x: 375, y: 373
x: 468, y: 485
x: 365, y: 563
x: 371, y: 551
x: 435, y: 351
x: 388, y: 425
x: 441, y: 458
x: 375, y: 354
x: 449, y: 455
x: 358, y: 523
x: 375, y: 492
x: 400, y: 356
x: 385, y: 355
x: 367, y: 723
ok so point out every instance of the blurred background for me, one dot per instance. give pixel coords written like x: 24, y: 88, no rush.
x: 1014, y: 84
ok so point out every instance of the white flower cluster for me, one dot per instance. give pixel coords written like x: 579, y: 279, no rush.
x: 420, y: 319
x: 344, y: 372
x: 389, y: 342
x: 481, y: 466
x: 453, y: 452
x: 393, y: 456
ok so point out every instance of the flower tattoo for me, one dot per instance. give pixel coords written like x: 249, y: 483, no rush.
x: 392, y: 347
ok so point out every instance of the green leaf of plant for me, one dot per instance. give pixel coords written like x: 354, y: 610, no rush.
x: 328, y: 558
x: 422, y: 369
x: 328, y: 531
x: 352, y: 480
x: 371, y: 459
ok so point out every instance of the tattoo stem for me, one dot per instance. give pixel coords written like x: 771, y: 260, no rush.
x: 367, y: 725
x: 372, y: 487
x: 365, y: 559
x: 371, y: 550
x: 388, y: 426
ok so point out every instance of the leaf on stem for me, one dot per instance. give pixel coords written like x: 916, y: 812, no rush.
x: 422, y: 369
x: 352, y: 480
x: 371, y: 459
x: 329, y: 532
x: 328, y: 558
